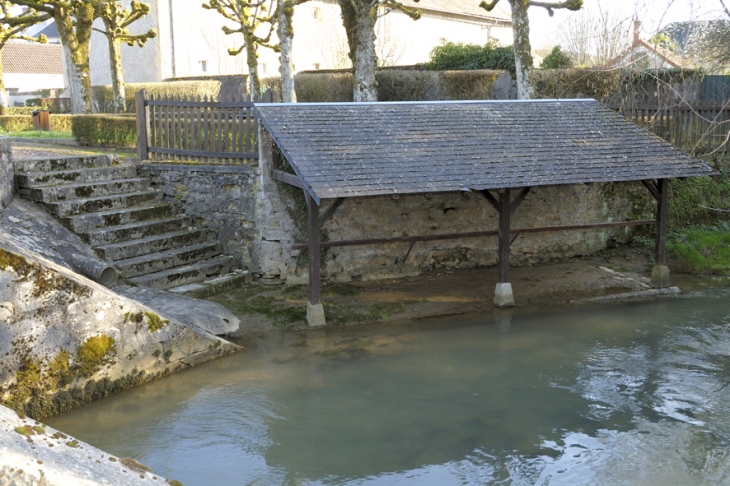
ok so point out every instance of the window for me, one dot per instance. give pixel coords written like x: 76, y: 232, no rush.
x: 317, y: 13
x: 263, y: 68
x: 316, y: 66
x: 203, y: 66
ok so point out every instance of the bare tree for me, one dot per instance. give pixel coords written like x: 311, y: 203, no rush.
x: 12, y: 26
x: 249, y: 17
x: 595, y: 35
x: 74, y: 20
x: 117, y: 20
x: 521, y: 36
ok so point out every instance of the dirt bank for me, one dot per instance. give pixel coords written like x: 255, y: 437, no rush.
x: 443, y: 293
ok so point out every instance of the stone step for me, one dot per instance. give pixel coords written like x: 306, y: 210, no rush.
x: 178, y: 276
x: 157, y: 262
x: 39, y: 179
x: 135, y: 231
x: 151, y: 244
x: 216, y: 285
x: 63, y: 163
x: 88, y: 190
x: 83, y: 223
x: 102, y: 203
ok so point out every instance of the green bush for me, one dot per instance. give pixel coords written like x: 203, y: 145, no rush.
x: 326, y: 87
x: 455, y: 56
x: 20, y: 110
x: 21, y: 123
x: 117, y: 131
x: 103, y: 96
x: 557, y: 59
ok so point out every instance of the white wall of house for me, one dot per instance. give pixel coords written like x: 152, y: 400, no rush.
x: 27, y: 83
x: 201, y: 47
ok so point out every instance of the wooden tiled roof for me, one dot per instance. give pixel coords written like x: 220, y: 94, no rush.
x: 31, y: 58
x: 366, y: 149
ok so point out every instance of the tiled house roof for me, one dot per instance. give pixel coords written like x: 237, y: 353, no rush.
x: 32, y: 58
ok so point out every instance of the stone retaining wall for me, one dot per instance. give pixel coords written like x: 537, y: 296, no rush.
x: 219, y: 198
x: 7, y: 182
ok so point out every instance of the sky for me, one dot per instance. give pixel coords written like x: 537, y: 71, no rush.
x: 653, y: 14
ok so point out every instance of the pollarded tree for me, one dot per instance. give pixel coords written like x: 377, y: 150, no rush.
x: 117, y: 20
x: 521, y: 35
x: 285, y: 32
x: 12, y: 24
x: 359, y: 18
x: 250, y: 17
x: 74, y: 20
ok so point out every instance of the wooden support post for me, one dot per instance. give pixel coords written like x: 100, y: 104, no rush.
x: 660, y: 272
x: 661, y: 220
x: 142, y: 116
x: 315, y: 310
x: 504, y: 239
x: 503, y: 296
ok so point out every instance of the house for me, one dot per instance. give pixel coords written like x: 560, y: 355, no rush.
x: 29, y: 67
x: 190, y: 41
x: 643, y: 55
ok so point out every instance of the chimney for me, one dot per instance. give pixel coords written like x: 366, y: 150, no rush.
x: 637, y: 31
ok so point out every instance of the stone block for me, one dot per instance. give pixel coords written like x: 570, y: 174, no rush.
x: 660, y: 276
x: 503, y: 295
x: 315, y: 315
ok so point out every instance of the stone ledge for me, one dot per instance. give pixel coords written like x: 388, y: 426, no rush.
x: 191, y: 167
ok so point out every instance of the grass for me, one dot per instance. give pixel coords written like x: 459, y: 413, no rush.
x: 39, y: 134
x: 702, y: 249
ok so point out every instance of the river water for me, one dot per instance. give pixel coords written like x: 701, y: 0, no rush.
x: 628, y: 393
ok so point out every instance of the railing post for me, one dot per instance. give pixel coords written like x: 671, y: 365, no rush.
x: 142, y: 125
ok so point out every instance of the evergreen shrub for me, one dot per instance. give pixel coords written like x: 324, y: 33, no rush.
x: 118, y: 131
x: 455, y: 56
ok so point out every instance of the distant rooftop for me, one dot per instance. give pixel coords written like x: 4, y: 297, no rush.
x: 20, y: 57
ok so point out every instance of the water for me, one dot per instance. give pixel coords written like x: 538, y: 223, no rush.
x: 613, y: 394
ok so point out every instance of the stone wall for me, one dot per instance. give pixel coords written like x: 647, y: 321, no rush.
x: 7, y: 181
x: 281, y: 220
x: 65, y: 340
x: 220, y: 198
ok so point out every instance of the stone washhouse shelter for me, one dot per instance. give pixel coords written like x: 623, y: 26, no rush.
x: 499, y: 149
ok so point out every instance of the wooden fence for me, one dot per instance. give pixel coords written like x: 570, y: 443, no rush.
x: 699, y: 130
x: 206, y: 130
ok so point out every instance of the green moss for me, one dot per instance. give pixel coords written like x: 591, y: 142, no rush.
x: 173, y: 482
x: 91, y: 354
x: 134, y: 465
x: 154, y: 322
x: 73, y: 443
x: 59, y: 435
x: 342, y: 314
x: 25, y: 430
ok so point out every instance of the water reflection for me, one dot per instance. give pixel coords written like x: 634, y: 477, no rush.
x: 603, y: 395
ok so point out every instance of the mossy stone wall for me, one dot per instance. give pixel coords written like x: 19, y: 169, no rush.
x: 7, y: 184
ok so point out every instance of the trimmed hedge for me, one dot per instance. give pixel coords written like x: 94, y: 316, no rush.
x: 453, y: 56
x: 118, y: 131
x: 21, y: 110
x: 103, y: 96
x: 24, y: 123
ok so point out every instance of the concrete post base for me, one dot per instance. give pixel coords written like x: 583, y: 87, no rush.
x: 660, y: 276
x: 315, y: 315
x: 503, y: 295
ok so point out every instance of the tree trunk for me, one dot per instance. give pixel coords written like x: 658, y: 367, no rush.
x: 523, y: 54
x: 115, y: 63
x: 360, y: 27
x: 286, y: 37
x: 254, y: 85
x: 3, y: 94
x: 75, y: 33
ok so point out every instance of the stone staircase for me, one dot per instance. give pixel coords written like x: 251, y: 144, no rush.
x: 124, y: 220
